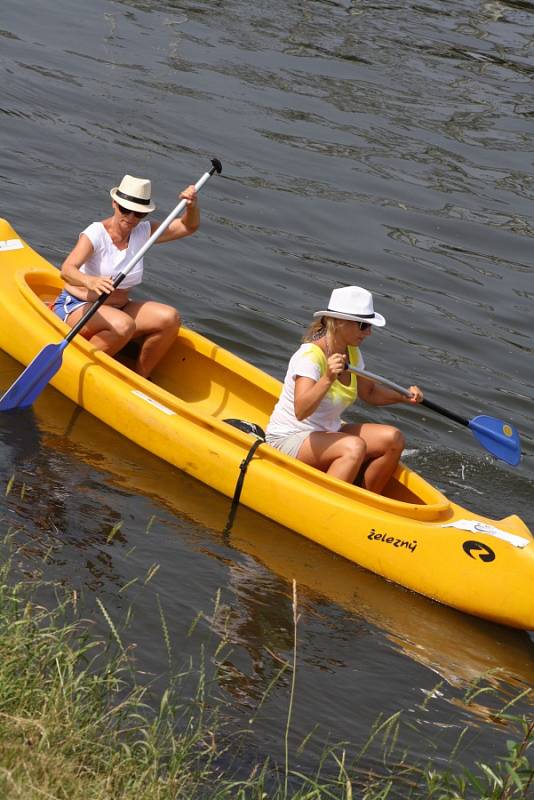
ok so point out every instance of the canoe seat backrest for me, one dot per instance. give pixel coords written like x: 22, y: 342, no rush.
x: 247, y: 427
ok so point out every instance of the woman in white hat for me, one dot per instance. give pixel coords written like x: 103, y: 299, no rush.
x: 306, y: 422
x: 102, y: 249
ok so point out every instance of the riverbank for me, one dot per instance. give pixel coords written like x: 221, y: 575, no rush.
x: 76, y: 722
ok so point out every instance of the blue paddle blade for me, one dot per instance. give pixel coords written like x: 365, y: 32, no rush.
x: 500, y: 438
x: 34, y: 379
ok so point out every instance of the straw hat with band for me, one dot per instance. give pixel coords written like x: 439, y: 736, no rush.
x: 352, y: 303
x: 134, y: 194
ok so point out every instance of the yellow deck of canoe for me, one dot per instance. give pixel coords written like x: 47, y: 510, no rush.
x: 405, y: 535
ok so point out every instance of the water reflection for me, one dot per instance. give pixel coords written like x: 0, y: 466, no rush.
x: 55, y: 508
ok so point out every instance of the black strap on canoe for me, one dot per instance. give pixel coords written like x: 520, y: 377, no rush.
x: 255, y: 430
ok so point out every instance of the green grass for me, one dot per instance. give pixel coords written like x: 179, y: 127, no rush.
x: 75, y: 723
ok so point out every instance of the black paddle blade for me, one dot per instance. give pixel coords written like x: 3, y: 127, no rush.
x: 34, y: 379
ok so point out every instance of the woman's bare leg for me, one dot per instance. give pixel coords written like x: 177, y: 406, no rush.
x: 385, y: 444
x: 338, y: 454
x: 158, y: 324
x: 109, y: 329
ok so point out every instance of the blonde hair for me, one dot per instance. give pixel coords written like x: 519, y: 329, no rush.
x: 324, y: 326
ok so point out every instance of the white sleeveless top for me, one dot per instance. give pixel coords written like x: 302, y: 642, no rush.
x: 108, y: 260
x: 310, y: 361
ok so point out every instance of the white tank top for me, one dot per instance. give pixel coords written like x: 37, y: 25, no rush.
x: 310, y: 361
x: 108, y: 260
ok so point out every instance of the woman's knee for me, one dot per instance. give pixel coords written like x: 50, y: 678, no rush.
x: 167, y: 318
x: 354, y: 448
x: 123, y: 326
x: 393, y: 439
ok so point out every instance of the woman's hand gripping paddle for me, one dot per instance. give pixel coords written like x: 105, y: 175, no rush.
x: 499, y: 438
x: 44, y: 366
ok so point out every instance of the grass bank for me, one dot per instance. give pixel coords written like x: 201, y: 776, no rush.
x: 76, y: 724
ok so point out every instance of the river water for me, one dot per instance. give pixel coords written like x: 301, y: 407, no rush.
x: 382, y: 144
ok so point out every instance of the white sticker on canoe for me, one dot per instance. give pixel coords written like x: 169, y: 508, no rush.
x: 153, y: 402
x: 482, y: 527
x: 10, y: 244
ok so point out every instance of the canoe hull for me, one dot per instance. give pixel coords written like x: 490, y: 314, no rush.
x: 404, y: 537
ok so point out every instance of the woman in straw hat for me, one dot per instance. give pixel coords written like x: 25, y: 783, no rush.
x: 306, y: 422
x: 103, y: 248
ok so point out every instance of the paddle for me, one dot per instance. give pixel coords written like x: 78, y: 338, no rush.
x: 499, y: 438
x: 44, y: 366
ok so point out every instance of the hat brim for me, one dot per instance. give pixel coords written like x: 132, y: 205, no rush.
x: 376, y: 319
x: 130, y: 205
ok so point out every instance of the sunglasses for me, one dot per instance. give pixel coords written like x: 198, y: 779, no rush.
x: 364, y: 326
x: 127, y: 212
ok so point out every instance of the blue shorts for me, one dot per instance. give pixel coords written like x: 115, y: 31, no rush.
x: 65, y: 304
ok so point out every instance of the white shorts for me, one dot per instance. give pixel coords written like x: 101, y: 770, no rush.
x: 291, y: 444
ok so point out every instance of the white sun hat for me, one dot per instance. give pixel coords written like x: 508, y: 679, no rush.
x: 134, y: 194
x: 353, y: 303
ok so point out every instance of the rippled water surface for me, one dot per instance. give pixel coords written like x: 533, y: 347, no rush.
x: 382, y: 144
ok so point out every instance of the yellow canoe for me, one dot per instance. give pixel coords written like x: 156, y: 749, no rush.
x: 413, y: 535
x: 458, y: 647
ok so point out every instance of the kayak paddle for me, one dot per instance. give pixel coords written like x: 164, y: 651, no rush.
x: 44, y: 366
x: 501, y: 439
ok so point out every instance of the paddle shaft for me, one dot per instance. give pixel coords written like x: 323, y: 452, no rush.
x: 427, y: 403
x: 139, y: 255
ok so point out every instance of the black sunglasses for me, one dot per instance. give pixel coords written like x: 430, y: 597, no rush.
x: 364, y: 326
x: 127, y: 212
